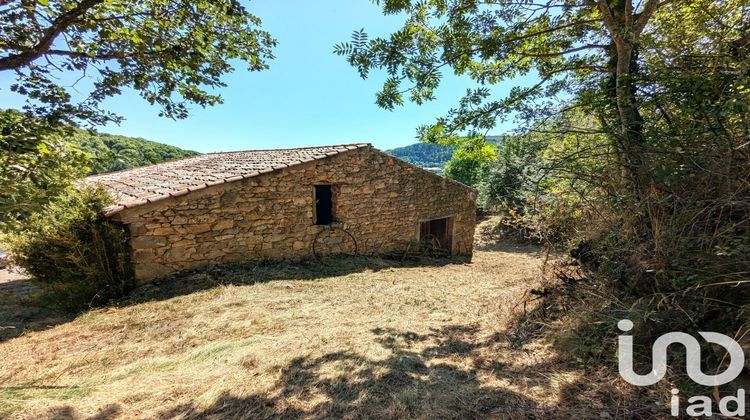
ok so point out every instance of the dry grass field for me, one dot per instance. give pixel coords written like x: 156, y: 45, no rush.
x: 362, y: 338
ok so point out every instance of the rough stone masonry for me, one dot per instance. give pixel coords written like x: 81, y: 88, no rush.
x: 260, y: 205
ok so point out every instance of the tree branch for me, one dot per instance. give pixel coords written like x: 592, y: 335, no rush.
x: 546, y: 31
x: 118, y: 55
x: 59, y: 25
x: 572, y: 50
x: 642, y: 18
x: 628, y: 13
x: 609, y: 20
x: 75, y: 54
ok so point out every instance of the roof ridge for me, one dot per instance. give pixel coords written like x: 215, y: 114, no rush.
x: 136, y: 199
x: 145, y: 166
x: 220, y: 153
x: 290, y: 148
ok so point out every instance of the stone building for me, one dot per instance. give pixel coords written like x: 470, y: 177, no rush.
x: 284, y: 204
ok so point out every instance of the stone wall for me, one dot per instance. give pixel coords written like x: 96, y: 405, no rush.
x: 379, y: 199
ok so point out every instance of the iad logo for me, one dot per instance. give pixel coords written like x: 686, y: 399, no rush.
x: 693, y: 362
x: 693, y: 348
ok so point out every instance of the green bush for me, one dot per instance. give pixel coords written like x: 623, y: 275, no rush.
x: 513, y: 176
x: 79, y: 257
x: 467, y: 161
x: 36, y: 165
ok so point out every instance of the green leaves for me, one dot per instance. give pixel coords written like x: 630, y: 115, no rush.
x: 36, y: 166
x: 173, y: 52
x: 489, y: 43
x: 390, y: 97
x: 79, y: 257
x: 467, y: 161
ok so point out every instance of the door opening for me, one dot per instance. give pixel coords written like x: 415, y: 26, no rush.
x: 437, y: 233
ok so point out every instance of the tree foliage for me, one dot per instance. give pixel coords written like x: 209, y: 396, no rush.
x: 40, y: 162
x: 508, y: 180
x: 172, y: 52
x: 635, y: 139
x: 468, y: 160
x: 108, y: 152
x: 80, y: 257
x: 36, y: 165
x: 584, y: 53
x: 68, y: 56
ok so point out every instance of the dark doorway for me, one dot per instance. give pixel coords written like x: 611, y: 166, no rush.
x: 323, y: 205
x: 437, y: 233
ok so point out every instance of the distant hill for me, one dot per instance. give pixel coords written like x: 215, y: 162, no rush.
x: 425, y: 155
x: 111, y: 152
x: 428, y: 155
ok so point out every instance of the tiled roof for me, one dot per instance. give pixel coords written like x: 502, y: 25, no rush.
x: 148, y: 184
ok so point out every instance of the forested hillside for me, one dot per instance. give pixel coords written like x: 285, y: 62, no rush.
x: 113, y: 153
x: 430, y: 155
x: 425, y: 155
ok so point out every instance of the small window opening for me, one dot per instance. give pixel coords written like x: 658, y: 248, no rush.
x: 323, y: 205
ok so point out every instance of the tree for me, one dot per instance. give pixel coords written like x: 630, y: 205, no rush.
x: 584, y: 52
x: 644, y: 114
x: 67, y: 56
x: 510, y: 180
x: 468, y: 160
x: 173, y: 52
x: 35, y: 165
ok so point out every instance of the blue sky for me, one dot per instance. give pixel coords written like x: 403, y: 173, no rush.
x: 308, y: 97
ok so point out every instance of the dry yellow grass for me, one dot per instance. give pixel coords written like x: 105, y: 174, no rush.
x: 363, y: 338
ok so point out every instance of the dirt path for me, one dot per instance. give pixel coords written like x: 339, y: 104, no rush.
x: 14, y: 287
x: 8, y: 275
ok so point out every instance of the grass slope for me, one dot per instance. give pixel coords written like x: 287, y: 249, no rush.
x: 363, y: 338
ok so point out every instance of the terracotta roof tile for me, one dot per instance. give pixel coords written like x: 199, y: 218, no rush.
x: 139, y: 186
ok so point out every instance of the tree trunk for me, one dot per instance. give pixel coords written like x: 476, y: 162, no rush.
x: 625, y: 26
x: 631, y: 121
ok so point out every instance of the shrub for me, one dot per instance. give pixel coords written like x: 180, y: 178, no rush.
x: 468, y: 160
x: 512, y: 177
x: 79, y: 256
x: 36, y: 165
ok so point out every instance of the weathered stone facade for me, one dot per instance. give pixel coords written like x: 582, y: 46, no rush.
x: 379, y: 199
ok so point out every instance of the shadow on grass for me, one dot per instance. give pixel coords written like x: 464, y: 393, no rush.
x: 575, y: 315
x: 251, y: 273
x: 439, y: 374
x: 441, y: 379
x: 512, y: 247
x: 19, y: 314
x: 108, y: 412
x: 447, y: 372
